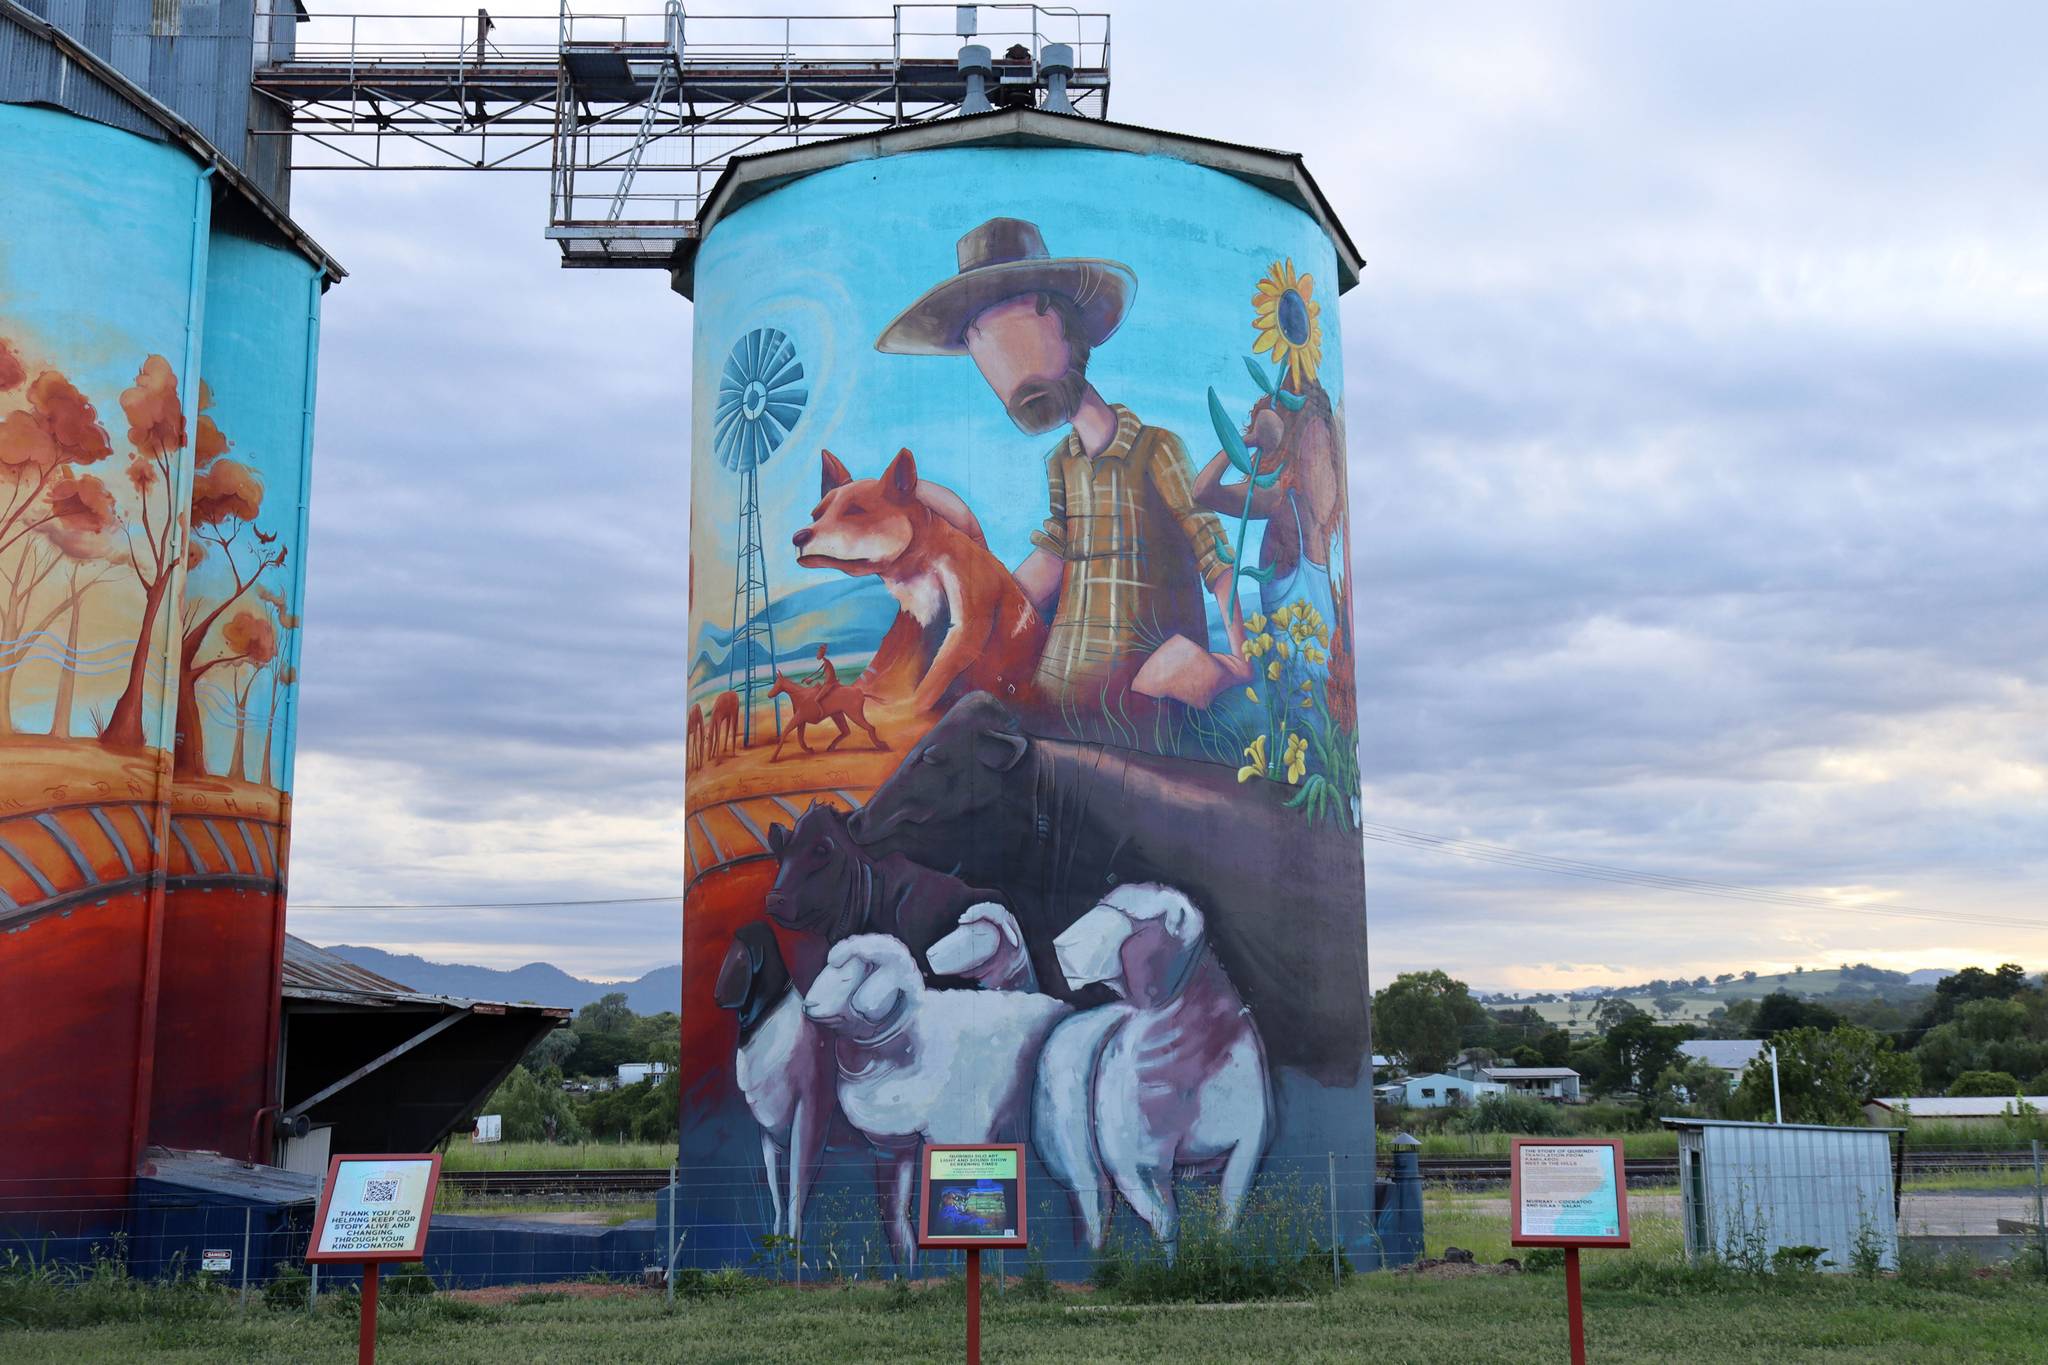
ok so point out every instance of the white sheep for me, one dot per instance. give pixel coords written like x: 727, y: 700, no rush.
x: 987, y: 947
x: 1171, y: 1077
x: 918, y: 1066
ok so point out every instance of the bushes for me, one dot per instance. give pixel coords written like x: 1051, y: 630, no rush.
x: 1522, y: 1114
x: 1272, y: 1253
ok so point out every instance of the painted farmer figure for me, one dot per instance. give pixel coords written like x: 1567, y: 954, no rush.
x: 1125, y: 552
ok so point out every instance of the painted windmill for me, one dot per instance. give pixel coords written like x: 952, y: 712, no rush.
x: 760, y: 399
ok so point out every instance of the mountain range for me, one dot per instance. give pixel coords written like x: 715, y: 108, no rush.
x: 537, y: 982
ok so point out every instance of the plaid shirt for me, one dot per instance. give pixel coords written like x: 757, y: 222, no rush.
x: 1137, y: 550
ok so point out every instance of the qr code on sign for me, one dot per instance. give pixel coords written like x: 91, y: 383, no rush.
x: 380, y: 1191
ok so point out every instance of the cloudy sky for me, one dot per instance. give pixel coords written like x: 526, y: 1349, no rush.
x: 1697, y: 422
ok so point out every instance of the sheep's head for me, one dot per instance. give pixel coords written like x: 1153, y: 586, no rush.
x: 868, y: 989
x: 1140, y: 940
x: 987, y: 945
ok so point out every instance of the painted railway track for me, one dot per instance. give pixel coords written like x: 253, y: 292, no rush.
x: 1449, y: 1170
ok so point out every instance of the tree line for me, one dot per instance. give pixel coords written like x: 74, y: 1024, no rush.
x: 554, y: 1095
x: 1978, y: 1032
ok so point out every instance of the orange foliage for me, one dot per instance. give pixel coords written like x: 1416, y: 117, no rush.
x: 250, y: 637
x: 156, y: 422
x: 225, y: 491
x: 81, y: 502
x: 65, y: 413
x: 12, y: 373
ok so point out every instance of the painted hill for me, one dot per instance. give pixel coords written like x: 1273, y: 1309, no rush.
x: 539, y: 982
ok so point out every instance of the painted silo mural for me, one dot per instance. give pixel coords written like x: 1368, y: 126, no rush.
x: 1023, y: 782
x: 151, y: 531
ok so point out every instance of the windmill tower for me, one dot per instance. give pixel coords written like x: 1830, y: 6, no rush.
x: 759, y: 401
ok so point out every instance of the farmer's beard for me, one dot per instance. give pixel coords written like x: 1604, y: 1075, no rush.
x: 1039, y: 405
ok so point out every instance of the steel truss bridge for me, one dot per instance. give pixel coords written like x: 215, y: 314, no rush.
x: 633, y: 116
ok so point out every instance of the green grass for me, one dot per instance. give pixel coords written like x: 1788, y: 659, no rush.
x: 550, y: 1156
x: 1647, y: 1310
x: 448, y: 1199
x: 1649, y: 1143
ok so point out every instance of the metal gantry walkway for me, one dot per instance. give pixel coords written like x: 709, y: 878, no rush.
x: 633, y: 115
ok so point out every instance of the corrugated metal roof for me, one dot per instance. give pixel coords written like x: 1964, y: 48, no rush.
x: 42, y: 63
x: 1730, y: 1054
x: 1970, y: 1107
x: 312, y: 973
x: 212, y: 1173
x: 311, y: 968
x: 1281, y: 174
x: 1530, y: 1073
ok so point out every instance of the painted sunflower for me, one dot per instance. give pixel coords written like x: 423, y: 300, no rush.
x: 1286, y: 316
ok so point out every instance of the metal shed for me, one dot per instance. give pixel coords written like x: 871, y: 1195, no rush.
x: 1748, y: 1190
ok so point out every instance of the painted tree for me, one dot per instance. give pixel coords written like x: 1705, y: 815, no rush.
x: 227, y: 496
x: 79, y: 536
x: 283, y: 676
x: 250, y: 637
x: 42, y: 446
x: 156, y: 435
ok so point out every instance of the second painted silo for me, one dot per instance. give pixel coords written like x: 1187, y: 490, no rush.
x: 1023, y: 786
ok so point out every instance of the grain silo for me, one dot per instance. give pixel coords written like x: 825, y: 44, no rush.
x: 1023, y: 787
x: 159, y: 319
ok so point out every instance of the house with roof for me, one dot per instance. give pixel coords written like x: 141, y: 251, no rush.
x: 1973, y: 1110
x: 1732, y: 1055
x: 1437, y: 1090
x: 1543, y: 1082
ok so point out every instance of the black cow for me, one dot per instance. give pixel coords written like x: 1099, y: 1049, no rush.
x: 1054, y: 824
x: 827, y: 885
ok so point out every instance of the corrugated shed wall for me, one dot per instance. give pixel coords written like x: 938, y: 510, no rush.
x: 193, y: 55
x: 33, y: 71
x: 1768, y: 1187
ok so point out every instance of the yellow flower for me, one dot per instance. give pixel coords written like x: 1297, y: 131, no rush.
x: 1295, y: 758
x: 1255, y: 622
x: 1287, y: 319
x: 1256, y: 752
x: 1306, y: 703
x: 1283, y: 648
x: 1273, y: 671
x: 1250, y: 695
x: 1307, y: 686
x: 1323, y: 636
x: 1281, y: 614
x: 1313, y: 655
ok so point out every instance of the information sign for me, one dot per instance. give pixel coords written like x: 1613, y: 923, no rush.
x: 973, y: 1196
x: 1567, y: 1193
x: 375, y: 1208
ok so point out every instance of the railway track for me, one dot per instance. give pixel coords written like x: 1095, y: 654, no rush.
x: 1450, y: 1170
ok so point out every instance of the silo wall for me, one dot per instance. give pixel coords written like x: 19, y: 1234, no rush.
x: 1010, y: 832
x: 156, y: 371
x: 102, y: 280
x: 238, y: 657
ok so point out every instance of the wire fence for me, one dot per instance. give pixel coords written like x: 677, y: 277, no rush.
x: 1834, y: 1203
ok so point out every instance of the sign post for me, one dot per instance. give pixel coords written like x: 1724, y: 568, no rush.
x: 374, y: 1209
x: 971, y: 1197
x: 1570, y: 1194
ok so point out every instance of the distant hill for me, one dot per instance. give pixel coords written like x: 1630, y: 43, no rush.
x: 1694, y: 1004
x: 538, y: 982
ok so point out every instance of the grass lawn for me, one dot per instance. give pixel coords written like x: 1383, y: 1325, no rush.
x: 1635, y: 1312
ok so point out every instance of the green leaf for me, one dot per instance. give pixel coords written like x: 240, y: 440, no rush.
x: 1271, y: 477
x: 1291, y: 401
x: 1227, y: 433
x: 1258, y: 375
x: 1224, y: 552
x: 1258, y: 573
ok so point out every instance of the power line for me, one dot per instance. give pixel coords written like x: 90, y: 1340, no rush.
x: 488, y: 905
x: 1477, y: 851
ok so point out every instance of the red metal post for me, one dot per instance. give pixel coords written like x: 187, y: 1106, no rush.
x: 1574, y: 1307
x: 366, y: 1343
x: 974, y: 1306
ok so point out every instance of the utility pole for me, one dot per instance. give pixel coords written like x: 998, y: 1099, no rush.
x: 1777, y: 1103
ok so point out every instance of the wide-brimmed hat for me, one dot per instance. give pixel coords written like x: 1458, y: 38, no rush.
x: 1001, y: 259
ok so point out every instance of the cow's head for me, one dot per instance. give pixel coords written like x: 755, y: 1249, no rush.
x: 1141, y: 940
x: 817, y: 875
x: 868, y: 991
x: 965, y: 767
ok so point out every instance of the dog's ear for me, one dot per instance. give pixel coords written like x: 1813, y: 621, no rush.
x: 833, y: 474
x: 1001, y: 750
x: 899, y: 480
x: 778, y: 839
